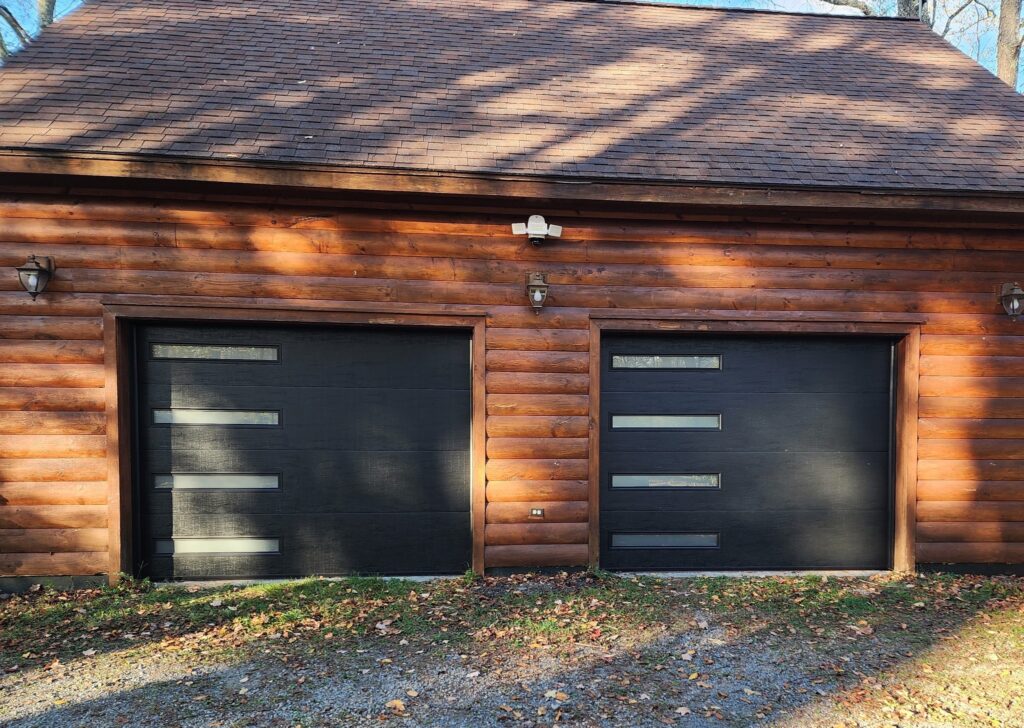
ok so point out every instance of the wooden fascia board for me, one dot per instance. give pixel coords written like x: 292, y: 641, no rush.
x: 239, y: 172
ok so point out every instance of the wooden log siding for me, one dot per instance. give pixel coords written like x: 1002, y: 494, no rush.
x: 53, y: 517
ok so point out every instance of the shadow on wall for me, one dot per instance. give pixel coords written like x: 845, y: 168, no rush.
x: 973, y: 470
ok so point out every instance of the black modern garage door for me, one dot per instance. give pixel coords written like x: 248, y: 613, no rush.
x: 268, y: 451
x: 745, y: 452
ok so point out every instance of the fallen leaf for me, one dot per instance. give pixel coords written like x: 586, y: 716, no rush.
x: 395, y: 706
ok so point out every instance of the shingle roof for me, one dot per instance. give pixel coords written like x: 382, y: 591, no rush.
x: 533, y: 87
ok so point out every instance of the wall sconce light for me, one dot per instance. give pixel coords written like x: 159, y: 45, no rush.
x: 1012, y: 298
x: 537, y: 290
x: 35, y: 274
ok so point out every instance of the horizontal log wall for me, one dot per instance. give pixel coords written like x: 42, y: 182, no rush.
x: 53, y: 514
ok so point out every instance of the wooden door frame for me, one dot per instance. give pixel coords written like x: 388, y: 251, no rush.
x: 118, y: 365
x: 905, y: 401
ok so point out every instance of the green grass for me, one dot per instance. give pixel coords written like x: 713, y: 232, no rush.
x: 517, y: 611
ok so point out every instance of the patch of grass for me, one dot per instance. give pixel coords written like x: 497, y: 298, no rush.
x: 886, y: 601
x: 507, y: 612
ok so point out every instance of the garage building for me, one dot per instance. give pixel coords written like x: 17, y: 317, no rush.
x: 283, y: 319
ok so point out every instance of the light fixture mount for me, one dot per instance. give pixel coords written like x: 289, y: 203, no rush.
x: 35, y: 274
x: 536, y: 229
x: 1012, y: 298
x: 537, y: 290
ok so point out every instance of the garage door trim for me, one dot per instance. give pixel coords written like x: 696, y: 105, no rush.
x: 118, y: 324
x: 907, y: 335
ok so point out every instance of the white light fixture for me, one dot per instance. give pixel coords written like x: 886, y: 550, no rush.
x: 536, y: 229
x: 537, y: 290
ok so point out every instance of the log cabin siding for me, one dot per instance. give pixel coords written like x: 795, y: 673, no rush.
x: 53, y: 468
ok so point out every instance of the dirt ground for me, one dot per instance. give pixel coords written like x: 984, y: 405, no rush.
x: 572, y: 649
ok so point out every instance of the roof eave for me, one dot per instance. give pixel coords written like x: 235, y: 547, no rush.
x: 504, y: 186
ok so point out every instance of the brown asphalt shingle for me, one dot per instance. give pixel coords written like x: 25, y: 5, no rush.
x: 530, y: 87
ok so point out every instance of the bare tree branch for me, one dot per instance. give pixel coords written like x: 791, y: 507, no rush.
x: 860, y: 5
x: 952, y: 16
x: 12, y: 21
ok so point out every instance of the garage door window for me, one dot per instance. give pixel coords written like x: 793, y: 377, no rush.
x: 215, y: 352
x: 215, y: 481
x: 664, y: 540
x: 258, y: 418
x: 240, y: 545
x: 667, y: 422
x: 687, y: 480
x: 637, y: 361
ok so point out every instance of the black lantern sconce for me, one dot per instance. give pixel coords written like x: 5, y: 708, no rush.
x: 35, y: 274
x: 1012, y: 298
x: 537, y: 290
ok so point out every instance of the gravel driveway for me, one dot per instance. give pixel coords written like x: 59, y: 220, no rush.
x: 944, y: 651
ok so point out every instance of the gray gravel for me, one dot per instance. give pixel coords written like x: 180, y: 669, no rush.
x: 760, y: 680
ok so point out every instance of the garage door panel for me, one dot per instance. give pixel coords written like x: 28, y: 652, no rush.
x: 226, y: 567
x: 219, y: 503
x: 355, y: 419
x: 761, y: 422
x: 747, y: 481
x: 355, y: 358
x: 332, y: 480
x: 753, y: 540
x: 318, y: 544
x: 363, y: 454
x: 748, y: 364
x: 729, y: 452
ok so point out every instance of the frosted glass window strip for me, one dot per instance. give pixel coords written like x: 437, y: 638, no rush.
x: 686, y: 480
x: 667, y: 422
x: 239, y: 545
x: 664, y: 540
x: 215, y: 352
x: 215, y: 417
x: 640, y: 361
x: 215, y: 481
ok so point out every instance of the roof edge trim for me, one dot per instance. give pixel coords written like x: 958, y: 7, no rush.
x: 488, y: 185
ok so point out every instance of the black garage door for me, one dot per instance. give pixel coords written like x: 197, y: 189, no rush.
x: 745, y: 452
x: 269, y: 451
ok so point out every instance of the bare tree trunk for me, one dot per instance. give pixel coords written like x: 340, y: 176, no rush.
x: 1008, y: 42
x: 908, y: 8
x: 46, y: 9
